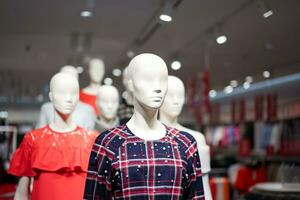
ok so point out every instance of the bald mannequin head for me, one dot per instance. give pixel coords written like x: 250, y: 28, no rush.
x: 96, y: 70
x: 125, y: 78
x: 64, y: 92
x: 108, y: 101
x: 174, y: 99
x: 69, y: 69
x: 147, y: 79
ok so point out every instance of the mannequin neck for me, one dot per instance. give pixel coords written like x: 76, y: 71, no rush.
x: 106, y: 120
x: 62, y: 123
x: 92, y: 88
x: 168, y: 120
x: 144, y: 123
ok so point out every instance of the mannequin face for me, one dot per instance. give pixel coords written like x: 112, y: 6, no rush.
x: 96, y: 70
x: 148, y: 76
x: 64, y: 93
x: 108, y: 101
x: 69, y: 69
x: 174, y: 99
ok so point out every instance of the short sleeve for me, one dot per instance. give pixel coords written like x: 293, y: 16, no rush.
x: 21, y: 163
x: 98, y: 182
x: 194, y: 190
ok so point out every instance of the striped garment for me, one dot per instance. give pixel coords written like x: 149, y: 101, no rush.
x: 124, y: 166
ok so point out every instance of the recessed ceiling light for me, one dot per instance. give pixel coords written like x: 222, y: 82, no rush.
x: 212, y: 93
x: 79, y: 69
x: 176, y: 65
x: 221, y: 39
x: 246, y: 85
x: 268, y: 13
x: 234, y: 83
x: 86, y: 13
x: 130, y: 54
x: 228, y: 89
x: 166, y: 13
x: 266, y: 74
x: 249, y: 79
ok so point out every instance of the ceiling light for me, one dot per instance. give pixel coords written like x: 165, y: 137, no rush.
x: 108, y: 81
x: 130, y: 54
x: 166, y: 13
x: 86, y: 13
x: 117, y: 72
x: 268, y: 13
x: 265, y: 8
x: 176, y: 65
x: 266, y: 74
x: 212, y: 93
x: 221, y: 39
x: 246, y: 85
x: 249, y: 79
x: 228, y: 89
x: 234, y: 83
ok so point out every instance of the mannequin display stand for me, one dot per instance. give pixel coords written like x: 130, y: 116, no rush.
x: 144, y: 159
x: 169, y: 113
x: 88, y: 94
x: 56, y: 156
x: 108, y: 102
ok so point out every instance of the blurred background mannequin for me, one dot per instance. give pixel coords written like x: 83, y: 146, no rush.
x: 108, y: 102
x: 57, y: 154
x: 83, y: 114
x: 126, y: 108
x: 169, y: 113
x: 88, y: 94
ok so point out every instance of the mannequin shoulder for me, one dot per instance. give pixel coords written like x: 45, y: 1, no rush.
x: 199, y: 137
x: 111, y: 136
x: 90, y: 90
x: 47, y: 106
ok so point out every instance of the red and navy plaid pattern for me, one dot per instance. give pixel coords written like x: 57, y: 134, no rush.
x: 123, y: 166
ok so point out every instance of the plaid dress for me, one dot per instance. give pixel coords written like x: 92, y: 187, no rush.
x: 124, y: 166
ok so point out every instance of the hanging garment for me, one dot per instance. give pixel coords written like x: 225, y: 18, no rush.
x: 124, y: 166
x: 57, y: 161
x: 220, y: 188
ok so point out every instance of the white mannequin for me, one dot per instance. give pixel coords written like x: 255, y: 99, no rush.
x: 147, y: 80
x: 108, y: 102
x: 64, y: 94
x: 83, y: 115
x: 96, y: 73
x: 169, y: 113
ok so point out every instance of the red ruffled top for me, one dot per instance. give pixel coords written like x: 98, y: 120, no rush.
x: 57, y: 161
x: 89, y: 99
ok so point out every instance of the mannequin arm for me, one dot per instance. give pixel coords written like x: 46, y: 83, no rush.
x: 22, y: 192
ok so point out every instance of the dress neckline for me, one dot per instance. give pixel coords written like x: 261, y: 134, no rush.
x: 166, y: 137
x: 67, y: 132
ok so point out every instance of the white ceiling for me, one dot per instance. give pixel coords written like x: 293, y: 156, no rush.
x: 35, y: 38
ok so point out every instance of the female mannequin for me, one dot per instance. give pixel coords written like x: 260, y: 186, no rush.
x: 96, y: 73
x: 83, y: 114
x: 145, y: 159
x: 169, y: 113
x: 56, y: 156
x: 108, y: 102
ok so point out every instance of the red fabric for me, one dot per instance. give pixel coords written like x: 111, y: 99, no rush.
x: 247, y: 177
x: 57, y: 161
x: 91, y: 100
x: 7, y: 191
x: 220, y: 189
